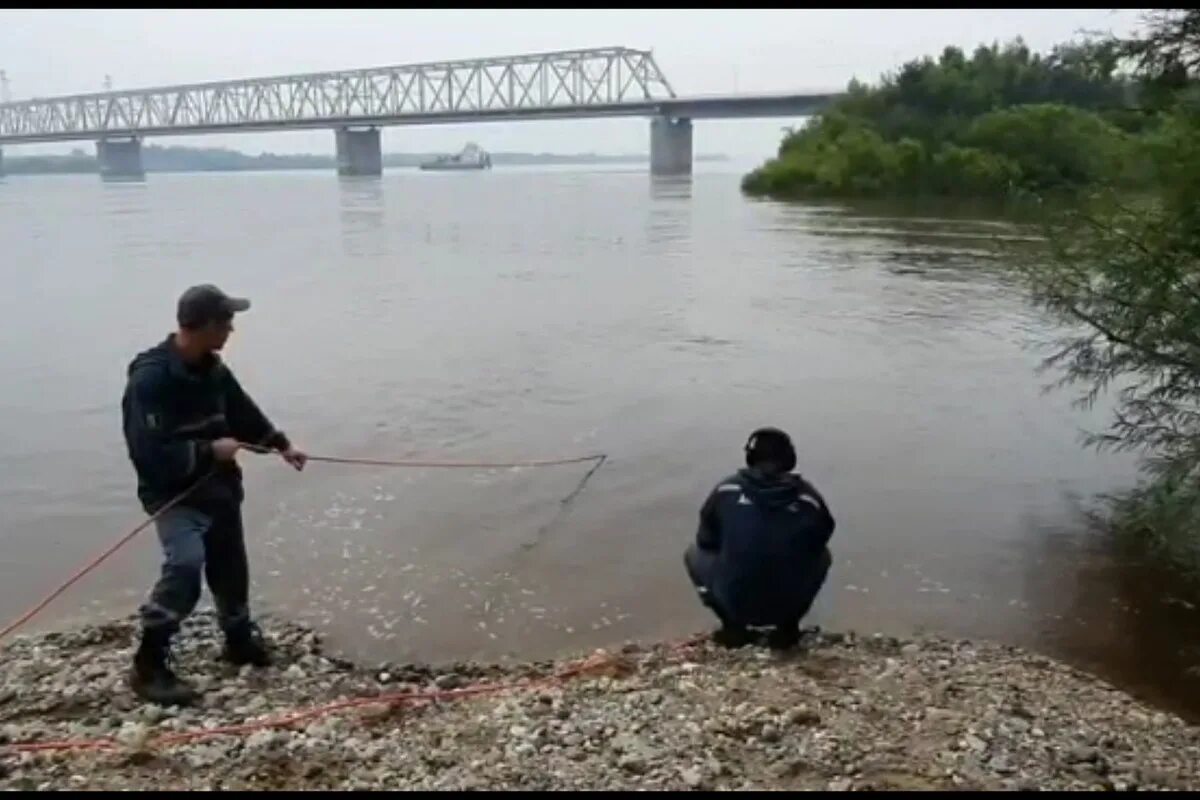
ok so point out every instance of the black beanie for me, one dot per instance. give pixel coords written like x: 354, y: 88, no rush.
x: 770, y: 444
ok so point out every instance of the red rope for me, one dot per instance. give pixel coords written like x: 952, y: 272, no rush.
x: 458, y: 464
x: 97, y: 561
x: 393, y: 699
x: 104, y: 556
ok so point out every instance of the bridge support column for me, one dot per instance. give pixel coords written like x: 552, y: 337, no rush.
x: 670, y: 146
x: 1, y: 162
x: 120, y: 159
x: 358, y: 152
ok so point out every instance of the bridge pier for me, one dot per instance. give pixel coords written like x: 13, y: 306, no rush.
x: 1, y: 162
x: 120, y: 159
x: 359, y: 152
x: 670, y: 146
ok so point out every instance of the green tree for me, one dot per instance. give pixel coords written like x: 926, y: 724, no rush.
x: 1127, y: 275
x: 1053, y: 146
x: 1002, y: 118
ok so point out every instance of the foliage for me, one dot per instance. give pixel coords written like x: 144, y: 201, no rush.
x: 1004, y: 118
x: 1127, y: 274
x: 1124, y: 263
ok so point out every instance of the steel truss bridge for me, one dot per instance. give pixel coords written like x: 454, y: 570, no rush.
x: 567, y: 84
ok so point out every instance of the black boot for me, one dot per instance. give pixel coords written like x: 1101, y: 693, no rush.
x: 244, y: 645
x: 784, y: 637
x: 151, y: 677
x: 732, y: 636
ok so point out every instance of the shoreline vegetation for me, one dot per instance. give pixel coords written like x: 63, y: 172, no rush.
x: 156, y: 158
x: 844, y: 712
x: 1000, y: 120
x: 1098, y: 143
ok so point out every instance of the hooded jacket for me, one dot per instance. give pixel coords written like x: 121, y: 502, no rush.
x: 172, y: 412
x: 767, y: 533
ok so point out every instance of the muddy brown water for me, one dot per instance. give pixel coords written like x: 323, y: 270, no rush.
x: 530, y: 313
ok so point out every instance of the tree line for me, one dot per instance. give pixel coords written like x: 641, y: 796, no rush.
x: 1003, y: 119
x: 1109, y: 125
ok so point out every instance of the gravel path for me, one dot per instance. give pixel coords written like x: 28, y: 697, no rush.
x: 841, y: 713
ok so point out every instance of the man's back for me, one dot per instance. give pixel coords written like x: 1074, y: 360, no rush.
x: 767, y: 532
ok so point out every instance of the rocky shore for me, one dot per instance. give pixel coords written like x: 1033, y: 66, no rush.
x: 842, y: 712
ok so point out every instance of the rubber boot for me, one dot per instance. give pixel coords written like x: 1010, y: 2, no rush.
x: 784, y: 637
x: 245, y: 645
x: 151, y: 677
x: 732, y: 636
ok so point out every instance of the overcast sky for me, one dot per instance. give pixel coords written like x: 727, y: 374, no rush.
x: 47, y: 53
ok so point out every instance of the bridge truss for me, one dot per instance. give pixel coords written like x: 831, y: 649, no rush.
x: 576, y: 79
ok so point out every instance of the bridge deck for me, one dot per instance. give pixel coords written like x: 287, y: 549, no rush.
x: 689, y: 108
x: 569, y: 84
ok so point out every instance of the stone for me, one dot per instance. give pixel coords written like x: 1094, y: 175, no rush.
x: 1079, y: 754
x: 802, y: 716
x: 1001, y: 765
x: 974, y: 743
x: 632, y: 763
x: 731, y: 720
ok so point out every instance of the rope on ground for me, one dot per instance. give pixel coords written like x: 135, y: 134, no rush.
x: 580, y: 668
x: 104, y: 556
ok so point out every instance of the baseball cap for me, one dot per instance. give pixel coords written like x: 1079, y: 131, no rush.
x: 205, y: 303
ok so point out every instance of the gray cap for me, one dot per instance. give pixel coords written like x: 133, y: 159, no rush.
x: 203, y: 304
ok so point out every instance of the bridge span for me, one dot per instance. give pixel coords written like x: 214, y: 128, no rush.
x: 355, y: 104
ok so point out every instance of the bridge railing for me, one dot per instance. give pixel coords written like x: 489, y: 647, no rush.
x: 598, y: 76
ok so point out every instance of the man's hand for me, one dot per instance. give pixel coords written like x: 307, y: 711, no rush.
x: 297, y: 458
x: 225, y: 449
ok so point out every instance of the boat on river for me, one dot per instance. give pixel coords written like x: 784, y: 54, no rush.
x: 471, y: 157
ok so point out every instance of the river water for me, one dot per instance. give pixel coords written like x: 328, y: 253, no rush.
x: 541, y: 313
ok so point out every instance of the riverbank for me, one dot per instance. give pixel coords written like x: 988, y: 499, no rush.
x: 842, y: 713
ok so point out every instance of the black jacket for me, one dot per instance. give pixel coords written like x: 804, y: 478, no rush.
x: 172, y: 412
x: 767, y: 534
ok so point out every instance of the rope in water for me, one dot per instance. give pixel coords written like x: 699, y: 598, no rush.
x: 108, y: 553
x: 98, y: 560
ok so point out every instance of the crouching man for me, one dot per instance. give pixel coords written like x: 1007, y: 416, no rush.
x: 761, y: 553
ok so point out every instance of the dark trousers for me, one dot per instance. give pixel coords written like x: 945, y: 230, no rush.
x: 193, y: 541
x: 700, y: 564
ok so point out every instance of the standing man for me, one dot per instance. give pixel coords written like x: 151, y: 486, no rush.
x: 185, y: 417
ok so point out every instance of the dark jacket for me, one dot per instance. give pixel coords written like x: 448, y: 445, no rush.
x: 768, y: 534
x: 172, y: 412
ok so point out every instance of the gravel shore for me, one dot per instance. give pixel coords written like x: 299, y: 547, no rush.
x: 842, y: 712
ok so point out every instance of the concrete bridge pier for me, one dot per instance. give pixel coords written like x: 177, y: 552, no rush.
x: 670, y: 146
x: 1, y: 162
x: 120, y: 159
x: 358, y: 152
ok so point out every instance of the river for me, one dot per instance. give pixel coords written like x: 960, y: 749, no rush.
x: 550, y: 312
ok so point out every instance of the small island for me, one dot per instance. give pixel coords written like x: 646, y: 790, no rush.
x: 1004, y: 118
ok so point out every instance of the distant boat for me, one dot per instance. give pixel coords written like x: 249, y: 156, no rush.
x: 471, y: 157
